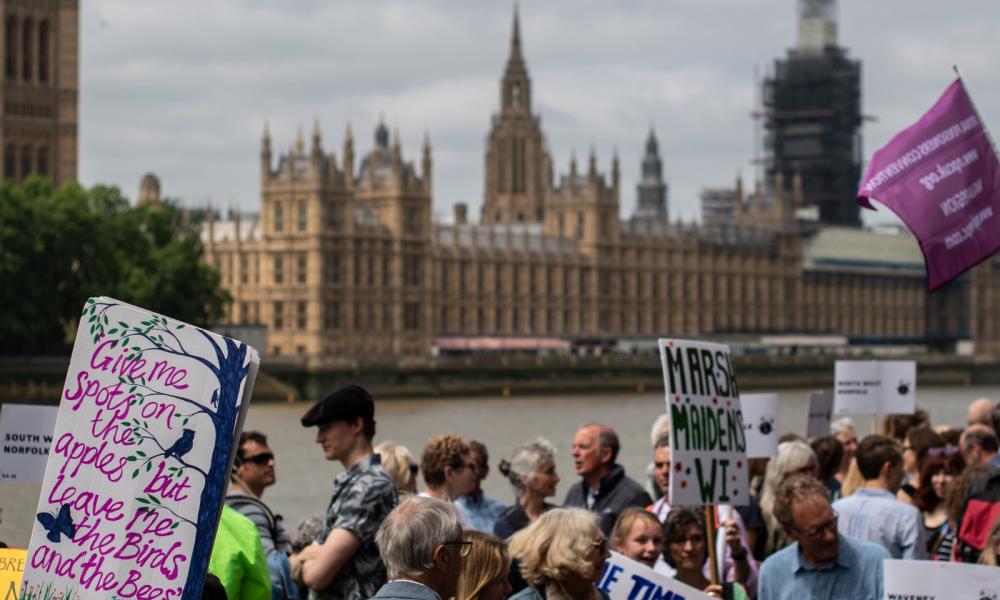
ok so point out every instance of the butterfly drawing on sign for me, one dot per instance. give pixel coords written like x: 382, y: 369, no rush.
x: 59, y: 524
x: 904, y: 387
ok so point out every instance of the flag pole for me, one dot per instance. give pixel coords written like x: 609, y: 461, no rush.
x: 975, y: 109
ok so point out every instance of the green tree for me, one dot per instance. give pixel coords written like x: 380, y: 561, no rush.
x: 58, y: 247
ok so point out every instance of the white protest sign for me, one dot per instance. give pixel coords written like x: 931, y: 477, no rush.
x: 141, y: 453
x: 875, y: 387
x: 707, y: 441
x: 937, y: 580
x: 626, y: 579
x: 26, y: 434
x: 760, y: 422
x: 820, y: 412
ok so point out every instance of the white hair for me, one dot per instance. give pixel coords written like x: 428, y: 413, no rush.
x: 406, y: 539
x: 526, y: 461
x: 842, y: 424
x: 661, y: 428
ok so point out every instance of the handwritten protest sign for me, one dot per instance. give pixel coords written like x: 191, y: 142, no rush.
x: 141, y: 453
x: 760, y: 422
x: 820, y: 413
x: 875, y: 387
x: 936, y: 580
x: 707, y: 441
x: 11, y: 571
x: 26, y: 434
x: 626, y: 579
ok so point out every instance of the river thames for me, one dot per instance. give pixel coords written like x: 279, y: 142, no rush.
x: 304, y: 476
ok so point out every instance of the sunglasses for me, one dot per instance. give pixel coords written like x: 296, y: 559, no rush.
x: 464, y: 547
x: 601, y: 545
x: 259, y: 459
x: 946, y: 452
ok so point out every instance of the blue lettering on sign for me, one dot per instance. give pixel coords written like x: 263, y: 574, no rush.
x: 644, y: 589
x: 610, y: 576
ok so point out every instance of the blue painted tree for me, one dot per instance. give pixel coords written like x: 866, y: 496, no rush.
x: 230, y: 367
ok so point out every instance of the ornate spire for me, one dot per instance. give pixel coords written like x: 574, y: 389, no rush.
x: 300, y: 143
x: 316, y: 134
x: 515, y: 38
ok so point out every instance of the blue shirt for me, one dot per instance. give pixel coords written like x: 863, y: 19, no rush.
x: 877, y: 516
x: 480, y: 513
x: 856, y: 573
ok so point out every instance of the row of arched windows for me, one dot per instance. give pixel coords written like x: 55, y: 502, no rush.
x: 29, y: 159
x: 27, y: 52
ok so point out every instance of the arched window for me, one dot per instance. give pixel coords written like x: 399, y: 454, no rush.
x: 9, y: 162
x: 43, y: 51
x: 42, y: 161
x: 25, y: 161
x: 27, y: 41
x: 11, y: 48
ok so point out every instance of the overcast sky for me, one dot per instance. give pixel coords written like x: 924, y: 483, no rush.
x: 183, y: 88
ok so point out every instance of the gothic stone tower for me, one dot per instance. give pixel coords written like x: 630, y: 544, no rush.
x: 38, y: 122
x: 651, y: 190
x: 518, y: 166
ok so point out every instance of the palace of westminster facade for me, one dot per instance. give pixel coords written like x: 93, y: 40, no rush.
x: 344, y: 264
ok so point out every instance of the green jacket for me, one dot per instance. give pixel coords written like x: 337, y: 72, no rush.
x: 238, y: 558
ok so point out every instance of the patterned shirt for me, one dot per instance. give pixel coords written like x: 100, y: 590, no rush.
x: 362, y: 496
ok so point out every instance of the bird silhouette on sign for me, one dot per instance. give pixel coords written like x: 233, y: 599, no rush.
x: 182, y: 446
x: 59, y: 524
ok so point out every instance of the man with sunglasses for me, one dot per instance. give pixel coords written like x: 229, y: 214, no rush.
x: 821, y: 563
x: 253, y: 472
x: 422, y: 545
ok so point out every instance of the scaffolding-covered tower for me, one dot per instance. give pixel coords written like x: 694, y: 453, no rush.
x: 812, y: 118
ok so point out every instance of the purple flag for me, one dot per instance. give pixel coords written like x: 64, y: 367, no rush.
x: 941, y: 177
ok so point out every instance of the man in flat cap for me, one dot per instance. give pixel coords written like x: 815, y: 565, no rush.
x: 344, y: 562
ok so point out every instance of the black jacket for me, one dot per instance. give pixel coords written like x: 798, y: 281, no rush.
x: 616, y: 493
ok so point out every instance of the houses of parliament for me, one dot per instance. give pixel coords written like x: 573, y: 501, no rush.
x: 344, y: 264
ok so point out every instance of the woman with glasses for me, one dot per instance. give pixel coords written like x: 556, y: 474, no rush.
x: 561, y: 556
x: 937, y: 476
x: 485, y: 569
x: 685, y: 548
x: 917, y: 443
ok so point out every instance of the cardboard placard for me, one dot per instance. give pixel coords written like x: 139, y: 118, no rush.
x: 760, y: 422
x: 707, y: 438
x: 26, y: 434
x: 820, y: 414
x: 626, y: 579
x: 869, y: 387
x: 140, y: 458
x: 938, y: 580
x: 11, y: 570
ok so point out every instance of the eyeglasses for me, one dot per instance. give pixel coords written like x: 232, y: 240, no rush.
x: 464, y: 547
x: 259, y: 459
x: 946, y: 452
x: 695, y: 540
x: 414, y: 469
x: 815, y: 533
x: 601, y: 545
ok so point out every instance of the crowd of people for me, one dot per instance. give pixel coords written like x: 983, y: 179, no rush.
x: 822, y: 516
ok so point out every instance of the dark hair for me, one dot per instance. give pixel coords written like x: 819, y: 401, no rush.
x: 679, y: 520
x: 873, y: 452
x: 830, y: 452
x: 897, y: 426
x: 985, y: 439
x: 925, y: 499
x: 795, y: 490
x: 249, y: 436
x: 212, y: 589
x: 480, y: 449
x: 920, y: 440
x: 995, y: 417
x: 951, y: 436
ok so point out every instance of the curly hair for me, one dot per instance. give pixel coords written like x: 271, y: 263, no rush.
x: 792, y: 491
x: 676, y: 527
x: 556, y: 546
x: 440, y: 452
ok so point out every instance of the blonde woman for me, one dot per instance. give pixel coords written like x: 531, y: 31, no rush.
x: 562, y: 556
x: 794, y: 459
x: 485, y: 569
x: 399, y: 465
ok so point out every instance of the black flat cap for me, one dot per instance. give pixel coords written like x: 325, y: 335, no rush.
x: 346, y: 404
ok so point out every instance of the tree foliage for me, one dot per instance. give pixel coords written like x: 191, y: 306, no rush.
x: 60, y: 246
